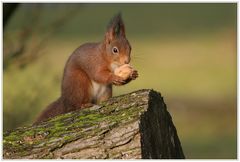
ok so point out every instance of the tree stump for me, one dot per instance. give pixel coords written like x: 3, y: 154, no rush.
x: 132, y: 126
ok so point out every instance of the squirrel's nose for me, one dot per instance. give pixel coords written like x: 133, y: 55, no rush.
x: 127, y: 61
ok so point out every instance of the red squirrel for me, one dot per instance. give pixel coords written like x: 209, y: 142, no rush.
x: 91, y: 71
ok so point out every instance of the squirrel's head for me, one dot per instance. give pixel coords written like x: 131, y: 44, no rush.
x: 118, y: 48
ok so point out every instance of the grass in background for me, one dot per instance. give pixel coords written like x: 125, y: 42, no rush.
x: 185, y: 51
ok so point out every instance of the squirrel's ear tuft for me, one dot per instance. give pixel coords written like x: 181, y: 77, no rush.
x: 115, y: 28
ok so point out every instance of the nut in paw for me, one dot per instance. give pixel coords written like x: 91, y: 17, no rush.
x: 125, y: 71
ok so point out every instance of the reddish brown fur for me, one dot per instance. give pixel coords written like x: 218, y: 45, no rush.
x: 91, y: 62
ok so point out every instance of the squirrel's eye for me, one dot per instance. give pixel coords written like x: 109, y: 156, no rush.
x: 115, y: 50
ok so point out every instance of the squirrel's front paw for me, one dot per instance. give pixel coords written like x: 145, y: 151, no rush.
x: 134, y: 75
x: 118, y: 81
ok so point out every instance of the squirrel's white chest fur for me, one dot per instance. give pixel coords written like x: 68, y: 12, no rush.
x: 98, y: 91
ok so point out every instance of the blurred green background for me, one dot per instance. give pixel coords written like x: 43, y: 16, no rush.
x: 187, y: 52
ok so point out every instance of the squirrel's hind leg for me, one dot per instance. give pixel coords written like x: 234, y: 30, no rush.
x: 76, y: 89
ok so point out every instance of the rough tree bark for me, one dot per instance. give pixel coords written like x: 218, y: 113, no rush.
x: 131, y: 126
